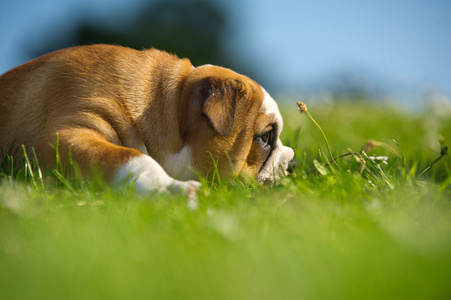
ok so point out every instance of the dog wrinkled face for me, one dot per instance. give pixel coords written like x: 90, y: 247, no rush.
x: 232, y: 120
x: 280, y: 159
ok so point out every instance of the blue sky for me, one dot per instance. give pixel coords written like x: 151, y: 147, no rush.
x: 403, y: 44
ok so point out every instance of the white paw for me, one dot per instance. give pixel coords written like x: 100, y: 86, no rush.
x: 187, y: 188
x: 148, y: 177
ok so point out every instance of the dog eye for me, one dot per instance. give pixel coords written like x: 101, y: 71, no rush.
x: 266, y: 139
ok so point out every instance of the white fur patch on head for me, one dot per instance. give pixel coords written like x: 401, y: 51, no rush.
x: 278, y: 161
x: 269, y: 106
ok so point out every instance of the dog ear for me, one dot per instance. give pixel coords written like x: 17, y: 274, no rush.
x: 219, y: 98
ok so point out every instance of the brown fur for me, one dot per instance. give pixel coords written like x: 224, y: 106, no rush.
x: 105, y: 102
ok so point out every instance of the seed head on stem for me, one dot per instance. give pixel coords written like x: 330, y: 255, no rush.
x: 303, y: 109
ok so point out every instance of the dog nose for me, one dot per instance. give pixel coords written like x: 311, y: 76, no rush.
x: 291, y: 166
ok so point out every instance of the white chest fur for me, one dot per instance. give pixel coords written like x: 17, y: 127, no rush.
x: 179, y: 165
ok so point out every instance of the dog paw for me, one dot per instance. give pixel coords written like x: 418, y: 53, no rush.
x: 187, y: 188
x: 147, y: 177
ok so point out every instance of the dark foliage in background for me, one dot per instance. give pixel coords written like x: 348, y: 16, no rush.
x: 195, y: 29
x: 198, y: 30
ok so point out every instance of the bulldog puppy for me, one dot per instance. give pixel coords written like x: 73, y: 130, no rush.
x: 146, y: 117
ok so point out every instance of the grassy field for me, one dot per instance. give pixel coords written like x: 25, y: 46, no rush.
x: 360, y: 230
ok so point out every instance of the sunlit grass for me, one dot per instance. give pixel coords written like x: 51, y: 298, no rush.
x: 322, y: 233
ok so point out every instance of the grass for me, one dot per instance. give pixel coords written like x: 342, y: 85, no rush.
x: 355, y: 231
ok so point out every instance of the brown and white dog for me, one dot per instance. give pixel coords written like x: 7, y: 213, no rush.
x: 142, y: 116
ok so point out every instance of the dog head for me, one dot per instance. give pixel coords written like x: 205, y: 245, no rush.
x: 230, y: 121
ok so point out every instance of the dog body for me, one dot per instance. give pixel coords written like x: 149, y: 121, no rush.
x: 145, y: 116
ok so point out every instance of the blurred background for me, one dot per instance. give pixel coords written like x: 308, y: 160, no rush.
x: 397, y: 50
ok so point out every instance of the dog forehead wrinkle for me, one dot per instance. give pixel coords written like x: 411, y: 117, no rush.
x: 269, y: 105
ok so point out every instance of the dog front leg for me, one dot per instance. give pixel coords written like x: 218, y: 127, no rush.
x: 148, y: 176
x: 118, y: 164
